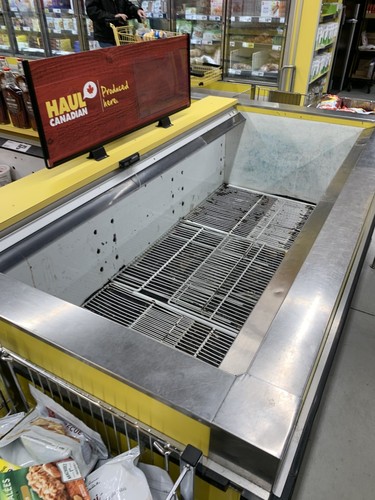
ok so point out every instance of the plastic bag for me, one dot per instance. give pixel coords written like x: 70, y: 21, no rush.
x: 7, y: 423
x: 158, y: 480
x: 50, y: 433
x: 119, y: 479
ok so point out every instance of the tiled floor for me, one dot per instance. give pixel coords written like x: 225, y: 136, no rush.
x: 339, y: 463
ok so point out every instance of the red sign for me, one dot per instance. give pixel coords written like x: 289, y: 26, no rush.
x: 84, y: 100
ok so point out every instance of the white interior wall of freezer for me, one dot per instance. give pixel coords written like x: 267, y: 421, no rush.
x: 81, y: 260
x: 289, y: 156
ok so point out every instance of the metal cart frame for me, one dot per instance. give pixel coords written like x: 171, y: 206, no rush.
x: 119, y: 431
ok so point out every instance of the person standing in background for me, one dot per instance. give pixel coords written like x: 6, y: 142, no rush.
x: 103, y: 12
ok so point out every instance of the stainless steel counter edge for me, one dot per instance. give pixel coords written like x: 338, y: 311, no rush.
x: 245, y: 100
x: 287, y: 357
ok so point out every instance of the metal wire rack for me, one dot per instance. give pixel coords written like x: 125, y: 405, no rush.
x: 195, y: 287
x: 202, y: 75
x: 120, y: 432
x: 268, y: 219
x: 162, y: 323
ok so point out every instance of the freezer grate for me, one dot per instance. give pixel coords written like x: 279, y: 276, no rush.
x: 230, y: 282
x: 170, y: 262
x: 174, y: 329
x: 269, y: 219
x: 196, y: 286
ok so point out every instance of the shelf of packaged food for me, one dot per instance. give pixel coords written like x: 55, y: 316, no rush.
x: 255, y: 45
x: 321, y: 48
x: 317, y: 77
x: 23, y: 13
x: 198, y: 41
x: 257, y: 20
x: 58, y: 11
x: 198, y: 17
x: 255, y: 74
x: 328, y: 17
x: 63, y: 32
x: 30, y: 50
x: 153, y: 15
x: 26, y: 29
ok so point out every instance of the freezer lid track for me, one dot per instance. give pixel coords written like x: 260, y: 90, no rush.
x: 196, y: 286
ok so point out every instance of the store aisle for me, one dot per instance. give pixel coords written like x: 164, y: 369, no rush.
x: 339, y: 462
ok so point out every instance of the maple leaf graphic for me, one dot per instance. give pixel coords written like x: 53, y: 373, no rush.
x: 90, y: 89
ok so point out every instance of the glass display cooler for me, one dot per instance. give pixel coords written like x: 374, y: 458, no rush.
x: 255, y: 40
x: 158, y: 13
x: 41, y: 28
x: 203, y: 20
x: 5, y: 46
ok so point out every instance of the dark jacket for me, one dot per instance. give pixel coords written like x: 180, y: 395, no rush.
x: 102, y: 12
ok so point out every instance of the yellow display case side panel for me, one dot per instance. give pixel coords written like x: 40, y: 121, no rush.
x: 138, y: 405
x: 305, y: 44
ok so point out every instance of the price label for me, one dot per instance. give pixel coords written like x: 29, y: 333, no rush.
x: 70, y: 11
x: 196, y: 41
x: 276, y: 47
x: 282, y: 20
x: 214, y: 18
x: 257, y: 73
x: 56, y: 11
x: 192, y: 17
x: 17, y: 146
x: 201, y: 17
x: 232, y: 44
x: 265, y: 19
x: 245, y: 19
x: 248, y: 45
x: 26, y: 28
x: 232, y: 19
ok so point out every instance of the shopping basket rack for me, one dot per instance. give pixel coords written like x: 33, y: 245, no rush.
x: 201, y: 74
x: 129, y: 34
x: 119, y: 431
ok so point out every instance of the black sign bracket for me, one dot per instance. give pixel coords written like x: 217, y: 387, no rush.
x: 98, y: 154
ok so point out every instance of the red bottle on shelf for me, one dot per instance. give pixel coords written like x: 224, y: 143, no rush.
x: 4, y: 117
x: 21, y: 83
x: 14, y: 100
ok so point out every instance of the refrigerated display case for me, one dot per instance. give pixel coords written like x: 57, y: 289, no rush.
x: 255, y: 39
x: 26, y: 29
x: 5, y: 44
x: 62, y: 26
x: 203, y: 20
x: 158, y: 13
x: 42, y: 28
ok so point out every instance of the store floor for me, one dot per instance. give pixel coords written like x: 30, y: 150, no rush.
x: 339, y: 462
x: 359, y: 93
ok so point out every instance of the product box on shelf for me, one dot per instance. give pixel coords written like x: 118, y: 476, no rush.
x: 272, y: 8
